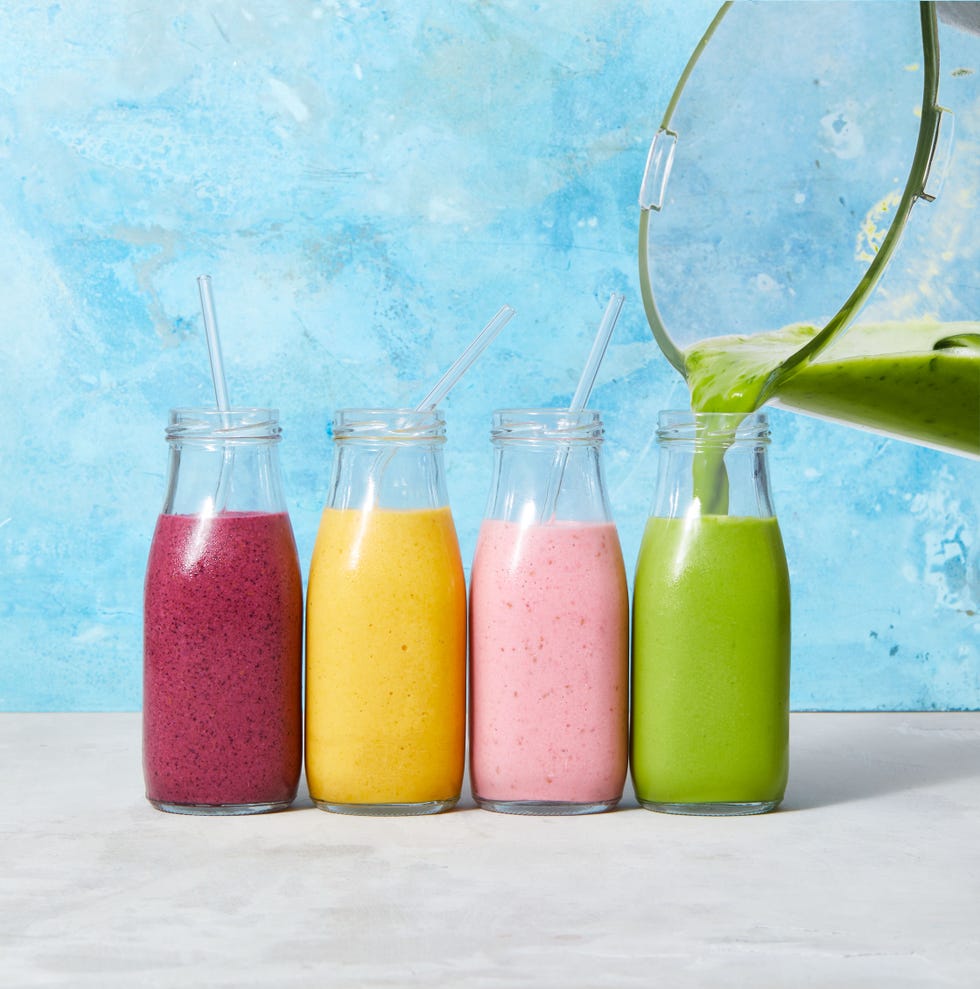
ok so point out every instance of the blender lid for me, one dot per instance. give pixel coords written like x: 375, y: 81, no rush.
x: 795, y: 144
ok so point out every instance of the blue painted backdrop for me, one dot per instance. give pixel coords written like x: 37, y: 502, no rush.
x: 367, y: 183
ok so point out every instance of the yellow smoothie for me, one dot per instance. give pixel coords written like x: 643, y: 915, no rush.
x: 385, y: 658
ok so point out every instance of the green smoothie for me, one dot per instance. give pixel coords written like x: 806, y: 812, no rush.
x: 711, y: 646
x: 929, y: 395
x: 918, y: 381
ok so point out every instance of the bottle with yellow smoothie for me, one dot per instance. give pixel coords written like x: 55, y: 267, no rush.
x: 386, y: 623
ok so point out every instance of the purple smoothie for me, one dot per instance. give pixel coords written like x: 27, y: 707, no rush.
x: 222, y: 653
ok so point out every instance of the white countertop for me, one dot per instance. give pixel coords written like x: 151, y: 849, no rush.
x: 869, y: 876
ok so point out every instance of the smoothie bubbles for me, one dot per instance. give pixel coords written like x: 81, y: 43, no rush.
x: 223, y: 619
x: 711, y: 625
x: 549, y: 618
x: 386, y: 616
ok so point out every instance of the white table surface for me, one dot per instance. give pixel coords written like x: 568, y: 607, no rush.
x: 868, y: 876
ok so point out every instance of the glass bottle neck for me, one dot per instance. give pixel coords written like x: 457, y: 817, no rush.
x: 547, y: 467
x: 223, y: 462
x: 388, y: 458
x: 713, y: 464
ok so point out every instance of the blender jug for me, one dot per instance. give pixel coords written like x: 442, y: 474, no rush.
x: 790, y: 163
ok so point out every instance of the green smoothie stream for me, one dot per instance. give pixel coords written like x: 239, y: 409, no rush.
x: 917, y: 380
x: 712, y: 601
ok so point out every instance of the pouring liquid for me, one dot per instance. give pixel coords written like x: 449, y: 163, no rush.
x: 918, y: 381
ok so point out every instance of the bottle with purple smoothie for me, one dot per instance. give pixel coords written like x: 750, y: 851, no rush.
x: 549, y: 624
x: 223, y: 623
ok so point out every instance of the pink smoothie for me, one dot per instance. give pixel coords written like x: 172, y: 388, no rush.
x: 549, y: 656
x: 223, y: 633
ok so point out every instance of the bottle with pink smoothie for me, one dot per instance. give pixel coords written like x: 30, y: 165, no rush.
x: 223, y: 623
x: 549, y: 624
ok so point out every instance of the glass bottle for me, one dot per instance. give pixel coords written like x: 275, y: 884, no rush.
x: 386, y: 623
x: 549, y: 624
x: 223, y: 623
x: 711, y: 625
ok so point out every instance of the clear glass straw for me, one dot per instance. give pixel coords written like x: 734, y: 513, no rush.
x: 214, y: 343
x: 441, y: 388
x: 223, y: 487
x: 599, y: 345
x: 581, y: 397
x: 466, y: 358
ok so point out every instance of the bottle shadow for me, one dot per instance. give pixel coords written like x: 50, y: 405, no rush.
x: 839, y: 758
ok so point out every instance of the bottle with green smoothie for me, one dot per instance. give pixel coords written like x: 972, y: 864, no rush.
x: 711, y: 625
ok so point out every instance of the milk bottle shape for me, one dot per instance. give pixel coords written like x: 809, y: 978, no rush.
x: 711, y: 625
x: 549, y: 624
x: 386, y: 623
x: 223, y: 623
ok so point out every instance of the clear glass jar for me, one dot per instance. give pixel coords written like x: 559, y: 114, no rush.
x: 549, y: 624
x: 386, y: 623
x: 222, y: 623
x: 711, y: 625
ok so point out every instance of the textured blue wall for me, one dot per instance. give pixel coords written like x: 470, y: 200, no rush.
x: 367, y: 183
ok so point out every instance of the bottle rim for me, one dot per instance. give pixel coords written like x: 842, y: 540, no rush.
x: 394, y: 425
x: 713, y: 427
x: 236, y: 425
x: 547, y: 425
